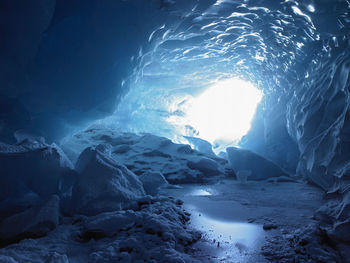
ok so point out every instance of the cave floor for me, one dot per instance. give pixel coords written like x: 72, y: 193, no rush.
x: 237, y: 220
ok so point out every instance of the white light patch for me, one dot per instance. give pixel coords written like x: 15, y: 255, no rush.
x: 225, y: 110
x: 311, y: 8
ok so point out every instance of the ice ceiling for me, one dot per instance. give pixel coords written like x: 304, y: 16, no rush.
x: 295, y: 52
x: 145, y: 61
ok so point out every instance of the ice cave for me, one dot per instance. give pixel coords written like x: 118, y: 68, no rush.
x: 175, y: 131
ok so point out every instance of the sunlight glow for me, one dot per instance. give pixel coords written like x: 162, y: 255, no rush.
x: 225, y: 110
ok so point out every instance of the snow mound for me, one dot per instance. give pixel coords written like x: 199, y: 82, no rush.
x: 151, y: 154
x: 103, y: 184
x: 155, y: 230
x: 33, y: 222
x: 308, y: 244
x: 260, y: 167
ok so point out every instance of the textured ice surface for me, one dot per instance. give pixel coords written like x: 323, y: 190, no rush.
x: 154, y: 231
x: 104, y: 216
x: 103, y: 184
x: 297, y: 52
x: 147, y: 153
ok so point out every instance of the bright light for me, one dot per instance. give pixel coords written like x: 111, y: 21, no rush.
x: 225, y: 110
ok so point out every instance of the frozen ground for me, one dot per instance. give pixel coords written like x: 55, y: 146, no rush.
x: 256, y: 222
x: 116, y: 198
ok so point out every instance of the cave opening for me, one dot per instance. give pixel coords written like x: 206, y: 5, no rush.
x: 221, y: 114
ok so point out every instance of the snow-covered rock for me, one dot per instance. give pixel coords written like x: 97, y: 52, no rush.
x: 103, y: 184
x: 152, y: 181
x: 206, y: 165
x: 156, y: 230
x: 151, y: 154
x: 33, y: 166
x: 108, y: 224
x: 201, y: 145
x: 260, y: 167
x: 33, y: 222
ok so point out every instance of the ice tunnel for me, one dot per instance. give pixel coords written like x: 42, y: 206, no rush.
x: 113, y: 111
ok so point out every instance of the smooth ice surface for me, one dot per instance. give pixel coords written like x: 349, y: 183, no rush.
x: 247, y: 223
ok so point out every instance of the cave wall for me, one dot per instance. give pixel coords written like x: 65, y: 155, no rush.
x: 62, y: 62
x: 318, y: 115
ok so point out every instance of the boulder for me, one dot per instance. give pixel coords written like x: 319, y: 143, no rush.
x: 103, y: 184
x: 261, y: 168
x: 201, y: 145
x: 33, y: 166
x: 205, y: 165
x: 152, y: 181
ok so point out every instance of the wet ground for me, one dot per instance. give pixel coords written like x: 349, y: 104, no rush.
x: 237, y: 219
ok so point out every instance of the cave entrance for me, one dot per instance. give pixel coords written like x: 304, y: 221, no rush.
x: 223, y: 113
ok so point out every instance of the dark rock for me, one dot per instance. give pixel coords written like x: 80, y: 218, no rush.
x: 260, y: 167
x: 34, y: 166
x: 269, y: 226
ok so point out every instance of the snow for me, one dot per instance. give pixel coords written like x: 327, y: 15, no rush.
x: 119, y: 204
x: 201, y: 145
x: 146, y: 153
x: 103, y: 184
x: 154, y: 231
